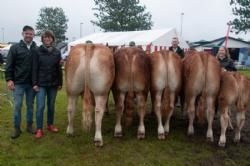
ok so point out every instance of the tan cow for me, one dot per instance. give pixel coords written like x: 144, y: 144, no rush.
x: 90, y: 73
x: 132, y: 77
x: 234, y: 91
x: 201, y: 73
x: 166, y: 78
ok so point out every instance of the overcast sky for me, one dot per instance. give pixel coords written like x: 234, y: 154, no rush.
x: 203, y: 19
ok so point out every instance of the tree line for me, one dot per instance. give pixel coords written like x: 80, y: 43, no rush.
x: 126, y: 15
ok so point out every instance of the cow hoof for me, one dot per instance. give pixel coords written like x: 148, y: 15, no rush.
x: 190, y: 134
x: 69, y: 134
x: 98, y: 143
x: 118, y: 135
x: 161, y: 136
x: 210, y: 139
x: 140, y: 136
x: 236, y: 141
x: 69, y: 131
x: 222, y: 144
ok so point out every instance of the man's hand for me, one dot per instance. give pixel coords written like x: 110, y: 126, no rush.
x: 35, y: 88
x: 10, y: 85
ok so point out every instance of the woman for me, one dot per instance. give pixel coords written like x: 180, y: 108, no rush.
x: 224, y: 58
x: 46, y: 80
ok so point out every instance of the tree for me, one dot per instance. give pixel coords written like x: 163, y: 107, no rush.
x: 121, y: 15
x: 241, y: 9
x: 52, y: 19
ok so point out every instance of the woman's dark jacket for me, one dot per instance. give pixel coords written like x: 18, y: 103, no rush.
x: 46, y: 67
x: 228, y: 64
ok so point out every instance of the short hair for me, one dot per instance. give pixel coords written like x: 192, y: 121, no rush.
x: 27, y: 27
x: 175, y: 38
x: 48, y: 34
x: 131, y: 43
x: 88, y: 42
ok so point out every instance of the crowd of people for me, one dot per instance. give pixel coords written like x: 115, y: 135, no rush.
x: 35, y: 72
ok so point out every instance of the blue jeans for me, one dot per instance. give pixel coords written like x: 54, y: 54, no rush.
x: 50, y: 93
x: 18, y: 93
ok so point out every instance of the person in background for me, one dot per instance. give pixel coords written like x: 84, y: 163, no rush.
x: 176, y: 48
x: 1, y: 59
x: 131, y: 44
x: 18, y: 76
x: 224, y: 58
x: 46, y: 80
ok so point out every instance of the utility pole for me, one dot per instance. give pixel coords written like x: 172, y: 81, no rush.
x: 2, y: 34
x: 182, y: 14
x: 81, y: 29
x: 227, y: 35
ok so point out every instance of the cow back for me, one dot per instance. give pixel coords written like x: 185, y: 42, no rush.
x: 132, y: 69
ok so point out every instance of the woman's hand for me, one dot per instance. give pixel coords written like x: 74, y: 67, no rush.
x: 10, y: 85
x: 35, y: 88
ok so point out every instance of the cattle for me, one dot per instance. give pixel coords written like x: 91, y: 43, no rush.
x: 166, y: 79
x: 234, y: 91
x: 201, y: 83
x: 132, y: 79
x: 90, y: 72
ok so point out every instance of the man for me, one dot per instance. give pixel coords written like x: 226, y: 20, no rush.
x: 18, y: 77
x: 175, y: 48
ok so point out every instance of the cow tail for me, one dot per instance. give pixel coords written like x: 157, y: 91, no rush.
x: 129, y: 101
x: 201, y: 107
x: 165, y: 106
x: 87, y: 98
x: 129, y: 106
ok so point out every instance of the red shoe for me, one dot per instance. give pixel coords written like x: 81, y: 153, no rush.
x: 52, y: 129
x: 39, y: 133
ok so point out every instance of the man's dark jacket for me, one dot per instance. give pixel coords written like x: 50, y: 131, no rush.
x: 19, y: 63
x: 179, y: 51
x: 47, y: 70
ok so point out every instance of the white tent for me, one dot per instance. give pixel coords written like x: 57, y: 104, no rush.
x: 159, y: 38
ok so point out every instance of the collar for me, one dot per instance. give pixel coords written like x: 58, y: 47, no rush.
x: 46, y: 49
x: 24, y: 44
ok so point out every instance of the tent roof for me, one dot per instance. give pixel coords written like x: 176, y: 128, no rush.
x: 160, y: 37
x: 232, y: 43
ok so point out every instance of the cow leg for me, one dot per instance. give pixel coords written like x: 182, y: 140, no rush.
x: 191, y: 115
x: 210, y: 118
x: 107, y: 106
x: 240, y: 121
x: 157, y: 110
x: 71, y: 111
x: 170, y: 113
x: 99, y: 111
x: 224, y: 121
x: 119, y: 112
x: 141, y: 102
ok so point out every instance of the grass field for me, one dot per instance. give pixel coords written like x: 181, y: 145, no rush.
x: 58, y: 149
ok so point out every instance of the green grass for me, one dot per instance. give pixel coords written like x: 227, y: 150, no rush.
x: 58, y: 149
